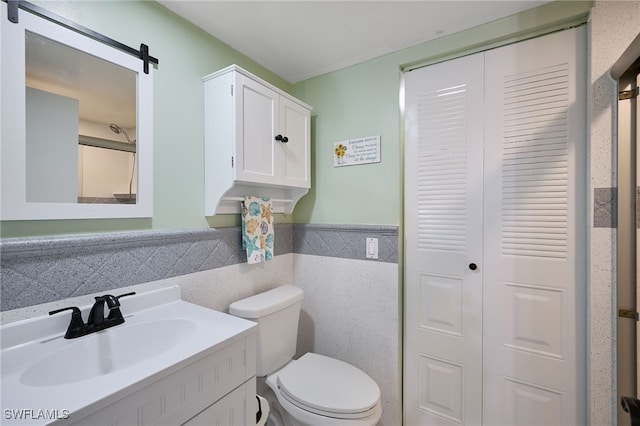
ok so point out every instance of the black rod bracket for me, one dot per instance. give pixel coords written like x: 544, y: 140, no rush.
x: 144, y: 55
x: 12, y: 12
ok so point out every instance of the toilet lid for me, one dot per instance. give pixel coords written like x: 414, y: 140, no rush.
x: 328, y: 386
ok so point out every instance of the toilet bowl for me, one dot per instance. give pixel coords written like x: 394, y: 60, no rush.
x: 319, y: 390
x: 314, y: 390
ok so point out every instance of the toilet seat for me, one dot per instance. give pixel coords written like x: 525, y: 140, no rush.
x: 328, y: 387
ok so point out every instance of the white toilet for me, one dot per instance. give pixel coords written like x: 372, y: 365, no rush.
x: 313, y: 390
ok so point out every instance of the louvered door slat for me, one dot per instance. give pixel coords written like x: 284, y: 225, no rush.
x: 442, y: 153
x: 535, y: 151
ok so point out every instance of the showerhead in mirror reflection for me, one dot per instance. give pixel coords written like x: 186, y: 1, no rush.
x: 119, y: 130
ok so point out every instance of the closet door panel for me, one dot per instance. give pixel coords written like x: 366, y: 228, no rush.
x: 443, y: 224
x: 534, y: 248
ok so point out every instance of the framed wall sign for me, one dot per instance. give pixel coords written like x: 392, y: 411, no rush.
x: 356, y: 151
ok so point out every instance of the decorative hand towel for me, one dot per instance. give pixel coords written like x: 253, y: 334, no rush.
x: 257, y: 229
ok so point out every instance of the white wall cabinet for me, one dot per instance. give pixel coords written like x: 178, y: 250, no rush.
x: 257, y: 142
x: 495, y: 229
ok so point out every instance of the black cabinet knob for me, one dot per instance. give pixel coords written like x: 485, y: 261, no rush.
x: 473, y: 266
x: 282, y: 139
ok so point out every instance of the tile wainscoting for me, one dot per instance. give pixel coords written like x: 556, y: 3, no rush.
x: 45, y: 269
x: 605, y: 207
x: 345, y: 241
x: 605, y: 203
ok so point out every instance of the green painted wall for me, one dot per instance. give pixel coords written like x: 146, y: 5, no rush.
x: 356, y: 102
x: 364, y: 100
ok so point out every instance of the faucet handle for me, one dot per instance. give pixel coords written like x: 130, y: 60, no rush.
x: 77, y: 327
x: 126, y: 294
x: 115, y: 314
x: 112, y: 301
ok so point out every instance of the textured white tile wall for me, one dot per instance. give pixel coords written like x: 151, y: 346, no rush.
x: 613, y: 25
x: 218, y: 288
x: 351, y: 312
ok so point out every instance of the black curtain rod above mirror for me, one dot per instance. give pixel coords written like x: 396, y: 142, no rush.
x: 12, y: 12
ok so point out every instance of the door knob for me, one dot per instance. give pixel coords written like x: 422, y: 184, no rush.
x: 473, y: 266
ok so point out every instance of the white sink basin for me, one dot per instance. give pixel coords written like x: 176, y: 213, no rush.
x: 107, y: 351
x: 72, y: 378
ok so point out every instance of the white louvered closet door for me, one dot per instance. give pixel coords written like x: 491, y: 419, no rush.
x: 535, y: 239
x: 495, y: 176
x: 443, y: 219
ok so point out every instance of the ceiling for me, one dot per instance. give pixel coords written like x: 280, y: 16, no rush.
x: 298, y: 40
x: 106, y: 92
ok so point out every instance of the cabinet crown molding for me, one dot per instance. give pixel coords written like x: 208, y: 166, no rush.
x: 235, y: 68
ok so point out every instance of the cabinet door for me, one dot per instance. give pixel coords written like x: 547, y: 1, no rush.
x: 295, y: 160
x: 257, y: 112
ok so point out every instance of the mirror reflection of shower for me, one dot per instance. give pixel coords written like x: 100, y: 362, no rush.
x: 71, y: 99
x: 119, y: 130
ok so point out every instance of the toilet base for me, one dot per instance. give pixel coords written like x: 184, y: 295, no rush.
x: 276, y: 418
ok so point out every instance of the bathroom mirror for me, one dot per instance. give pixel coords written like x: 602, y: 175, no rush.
x: 80, y: 110
x: 76, y: 124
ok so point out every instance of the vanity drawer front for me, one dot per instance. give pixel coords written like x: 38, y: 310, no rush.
x: 176, y: 398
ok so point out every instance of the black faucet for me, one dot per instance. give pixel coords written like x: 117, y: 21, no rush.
x: 96, y: 320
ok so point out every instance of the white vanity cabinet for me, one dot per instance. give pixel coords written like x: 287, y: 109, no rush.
x: 257, y: 142
x: 219, y: 388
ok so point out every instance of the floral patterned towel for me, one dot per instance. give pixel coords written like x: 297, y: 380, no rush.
x: 257, y: 229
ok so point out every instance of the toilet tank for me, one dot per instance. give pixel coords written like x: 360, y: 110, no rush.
x: 277, y: 313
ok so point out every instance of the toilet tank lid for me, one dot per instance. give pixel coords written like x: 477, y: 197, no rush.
x: 266, y: 303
